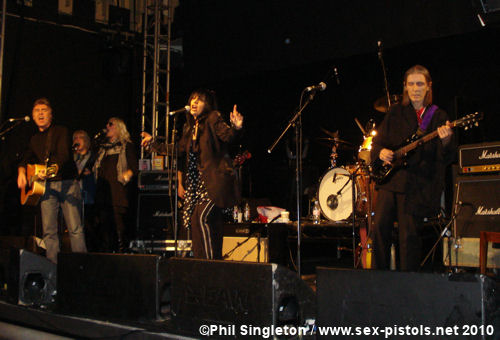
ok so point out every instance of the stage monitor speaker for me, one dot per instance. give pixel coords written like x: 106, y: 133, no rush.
x: 27, y: 278
x: 120, y: 286
x: 405, y: 304
x: 477, y: 205
x: 225, y: 293
x: 154, y: 216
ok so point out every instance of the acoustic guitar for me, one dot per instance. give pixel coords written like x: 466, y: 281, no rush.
x: 35, y: 186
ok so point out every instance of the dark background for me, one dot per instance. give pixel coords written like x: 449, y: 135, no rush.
x: 259, y: 55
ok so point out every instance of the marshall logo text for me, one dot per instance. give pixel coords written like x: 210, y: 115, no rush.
x: 490, y: 155
x: 483, y: 211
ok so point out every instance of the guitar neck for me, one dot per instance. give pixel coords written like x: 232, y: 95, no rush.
x: 401, y: 152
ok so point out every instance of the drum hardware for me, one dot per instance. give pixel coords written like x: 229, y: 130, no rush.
x: 381, y: 104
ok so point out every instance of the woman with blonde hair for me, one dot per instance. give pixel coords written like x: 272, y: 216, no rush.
x: 115, y: 166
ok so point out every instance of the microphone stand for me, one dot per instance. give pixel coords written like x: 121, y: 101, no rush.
x: 384, y: 71
x: 173, y: 180
x: 296, y: 121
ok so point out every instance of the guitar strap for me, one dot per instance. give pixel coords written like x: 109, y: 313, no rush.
x: 426, y: 120
x: 48, y: 143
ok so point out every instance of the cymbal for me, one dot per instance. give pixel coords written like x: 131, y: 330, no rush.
x: 335, y: 140
x: 381, y: 104
x: 329, y: 133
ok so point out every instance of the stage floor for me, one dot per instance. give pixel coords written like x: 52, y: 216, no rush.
x: 21, y: 322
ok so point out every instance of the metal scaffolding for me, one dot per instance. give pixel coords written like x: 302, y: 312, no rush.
x: 156, y: 69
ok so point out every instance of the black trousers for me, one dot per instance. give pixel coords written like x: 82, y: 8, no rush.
x: 391, y: 207
x: 206, y: 231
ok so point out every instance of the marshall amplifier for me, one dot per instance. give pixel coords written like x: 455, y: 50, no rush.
x: 483, y: 157
x: 153, y: 180
x: 154, y: 216
x: 477, y: 205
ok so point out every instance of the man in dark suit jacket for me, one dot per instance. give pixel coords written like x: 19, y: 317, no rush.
x: 412, y: 192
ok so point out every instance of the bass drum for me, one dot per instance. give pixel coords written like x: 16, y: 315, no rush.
x: 335, y: 194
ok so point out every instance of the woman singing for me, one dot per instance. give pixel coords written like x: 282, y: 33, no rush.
x: 206, y: 170
x: 115, y: 166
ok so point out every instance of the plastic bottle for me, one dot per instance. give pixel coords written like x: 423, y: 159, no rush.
x: 236, y: 210
x: 316, y: 212
x: 246, y: 214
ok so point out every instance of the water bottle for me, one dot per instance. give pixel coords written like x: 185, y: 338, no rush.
x: 236, y: 210
x: 246, y: 215
x: 393, y: 257
x: 316, y: 212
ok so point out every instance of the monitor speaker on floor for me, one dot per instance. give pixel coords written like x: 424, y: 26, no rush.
x: 27, y: 278
x: 371, y: 298
x: 206, y: 292
x: 121, y: 286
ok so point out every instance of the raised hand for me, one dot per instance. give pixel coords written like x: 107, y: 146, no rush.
x: 236, y: 118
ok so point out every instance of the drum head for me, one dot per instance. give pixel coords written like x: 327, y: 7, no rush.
x: 335, y: 194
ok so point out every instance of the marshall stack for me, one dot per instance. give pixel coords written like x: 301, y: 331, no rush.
x: 476, y: 204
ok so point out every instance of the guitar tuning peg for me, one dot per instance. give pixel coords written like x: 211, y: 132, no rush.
x: 466, y: 127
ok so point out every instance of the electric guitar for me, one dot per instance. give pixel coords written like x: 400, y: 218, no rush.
x: 35, y: 188
x: 382, y: 172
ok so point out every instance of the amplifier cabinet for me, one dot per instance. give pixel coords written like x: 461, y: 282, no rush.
x: 154, y: 216
x: 465, y: 253
x: 482, y: 157
x: 477, y: 205
x: 153, y: 180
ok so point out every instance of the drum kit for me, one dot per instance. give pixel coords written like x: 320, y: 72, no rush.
x: 335, y: 186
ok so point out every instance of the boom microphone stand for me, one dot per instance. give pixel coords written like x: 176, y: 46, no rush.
x: 296, y: 122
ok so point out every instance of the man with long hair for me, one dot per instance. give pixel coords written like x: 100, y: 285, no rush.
x: 414, y: 191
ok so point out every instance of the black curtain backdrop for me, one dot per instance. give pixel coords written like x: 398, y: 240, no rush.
x: 260, y: 55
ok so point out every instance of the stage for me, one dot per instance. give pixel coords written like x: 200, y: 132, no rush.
x: 147, y: 296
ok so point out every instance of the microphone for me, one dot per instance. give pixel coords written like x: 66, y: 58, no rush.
x: 336, y: 73
x: 75, y: 146
x: 25, y: 118
x: 379, y: 47
x: 320, y: 87
x: 184, y: 109
x: 100, y: 133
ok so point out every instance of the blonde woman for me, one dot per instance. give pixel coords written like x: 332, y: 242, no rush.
x: 115, y: 166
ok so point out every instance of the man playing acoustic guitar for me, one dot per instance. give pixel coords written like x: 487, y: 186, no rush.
x: 50, y: 148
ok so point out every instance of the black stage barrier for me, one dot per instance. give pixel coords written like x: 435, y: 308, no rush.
x: 370, y: 298
x: 120, y: 286
x: 224, y: 293
x: 27, y: 278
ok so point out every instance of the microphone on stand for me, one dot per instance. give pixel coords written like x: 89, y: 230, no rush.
x: 25, y: 118
x: 184, y: 109
x: 379, y: 47
x: 100, y: 134
x: 320, y: 87
x: 336, y: 73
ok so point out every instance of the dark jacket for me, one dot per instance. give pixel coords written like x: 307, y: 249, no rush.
x: 423, y: 178
x: 215, y: 165
x: 60, y: 152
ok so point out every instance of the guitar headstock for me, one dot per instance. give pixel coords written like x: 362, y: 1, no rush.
x: 469, y: 121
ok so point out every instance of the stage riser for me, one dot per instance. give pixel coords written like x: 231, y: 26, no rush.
x: 129, y: 287
x: 360, y: 298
